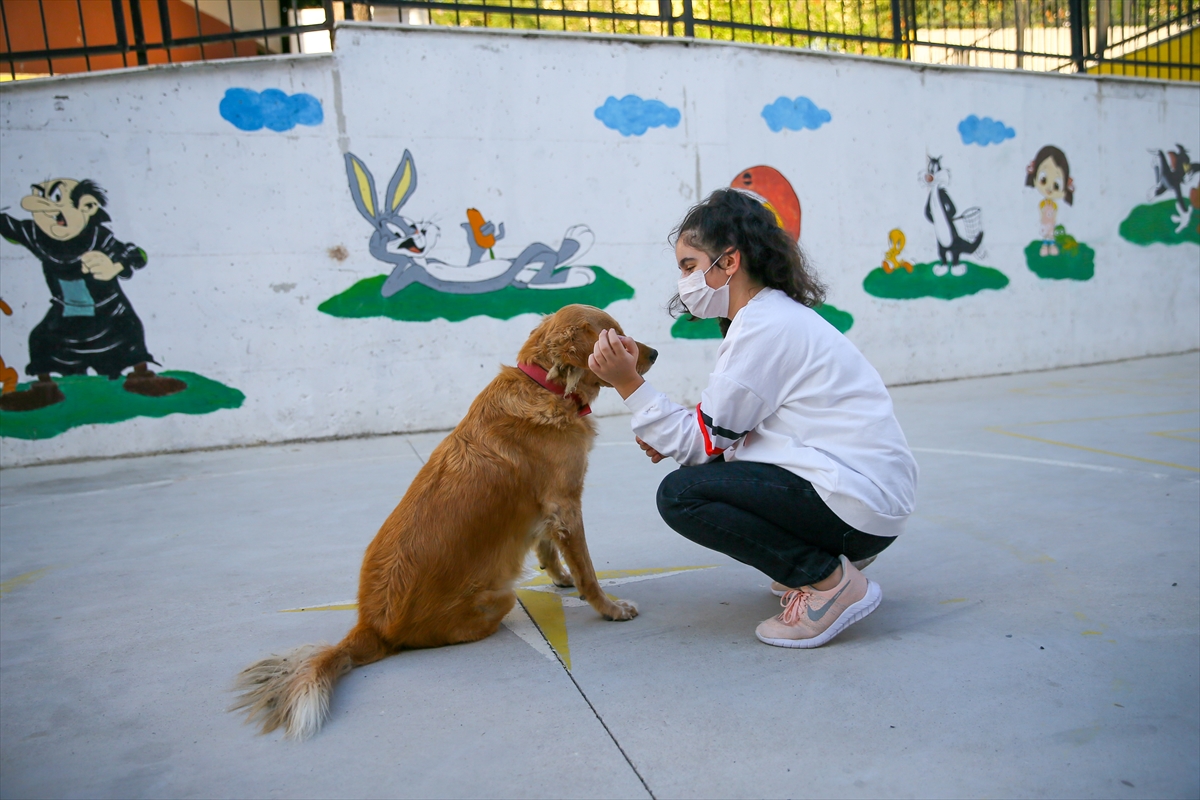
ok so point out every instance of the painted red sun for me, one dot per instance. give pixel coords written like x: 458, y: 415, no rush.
x: 769, y: 183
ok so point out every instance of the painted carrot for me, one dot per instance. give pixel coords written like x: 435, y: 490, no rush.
x: 476, y: 221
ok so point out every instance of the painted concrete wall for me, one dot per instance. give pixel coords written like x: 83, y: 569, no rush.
x: 248, y: 231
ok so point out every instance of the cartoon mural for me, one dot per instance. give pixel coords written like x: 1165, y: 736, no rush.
x: 1056, y: 254
x: 8, y: 375
x: 983, y: 132
x: 955, y: 235
x: 891, y: 259
x: 90, y: 323
x: 273, y: 109
x: 796, y: 114
x: 539, y: 279
x: 1168, y: 221
x: 775, y: 192
x: 633, y: 116
x: 940, y: 211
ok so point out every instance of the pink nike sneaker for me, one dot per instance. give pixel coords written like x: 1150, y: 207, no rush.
x: 779, y: 590
x: 811, y: 618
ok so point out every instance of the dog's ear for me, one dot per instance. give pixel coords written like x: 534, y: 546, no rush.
x: 569, y: 348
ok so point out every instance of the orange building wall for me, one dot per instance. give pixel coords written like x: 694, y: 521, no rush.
x: 66, y: 22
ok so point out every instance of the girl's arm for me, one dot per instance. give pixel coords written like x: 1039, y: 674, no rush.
x: 727, y: 411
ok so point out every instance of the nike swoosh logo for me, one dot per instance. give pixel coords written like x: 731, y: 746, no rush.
x: 816, y: 615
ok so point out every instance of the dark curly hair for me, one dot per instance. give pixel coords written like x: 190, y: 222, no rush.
x: 730, y: 219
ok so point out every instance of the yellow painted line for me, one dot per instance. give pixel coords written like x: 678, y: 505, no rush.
x: 1174, y: 434
x: 953, y: 600
x: 22, y: 580
x: 546, y: 610
x: 1102, y: 419
x: 1093, y: 450
x: 1091, y: 633
x: 329, y: 607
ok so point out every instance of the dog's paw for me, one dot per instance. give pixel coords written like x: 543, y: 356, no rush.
x: 618, y: 610
x: 564, y: 581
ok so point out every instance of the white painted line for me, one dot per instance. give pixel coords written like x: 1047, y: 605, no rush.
x: 519, y: 622
x: 54, y: 498
x: 549, y: 587
x: 204, y: 476
x: 1048, y: 461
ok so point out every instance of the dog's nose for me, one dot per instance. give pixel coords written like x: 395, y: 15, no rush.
x: 652, y: 356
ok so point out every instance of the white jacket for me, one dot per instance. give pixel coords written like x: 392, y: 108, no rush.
x: 789, y: 389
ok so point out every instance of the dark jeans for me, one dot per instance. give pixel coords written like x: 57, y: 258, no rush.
x: 763, y: 516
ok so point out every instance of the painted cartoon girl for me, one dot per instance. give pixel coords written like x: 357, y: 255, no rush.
x: 1051, y: 176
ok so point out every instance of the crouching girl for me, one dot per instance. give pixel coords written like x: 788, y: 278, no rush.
x: 793, y: 461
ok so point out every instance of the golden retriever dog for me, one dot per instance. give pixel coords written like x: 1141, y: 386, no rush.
x: 442, y: 568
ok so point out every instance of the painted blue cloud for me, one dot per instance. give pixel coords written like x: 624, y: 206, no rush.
x: 250, y: 110
x: 795, y: 114
x: 983, y: 132
x: 633, y: 116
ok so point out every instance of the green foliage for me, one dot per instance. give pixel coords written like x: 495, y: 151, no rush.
x: 902, y: 285
x: 689, y: 327
x: 95, y: 400
x: 418, y: 303
x: 824, y: 21
x: 1152, y: 224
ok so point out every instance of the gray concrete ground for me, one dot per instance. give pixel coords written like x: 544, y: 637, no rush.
x: 1039, y: 634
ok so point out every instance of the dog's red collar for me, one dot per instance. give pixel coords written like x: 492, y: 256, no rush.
x: 539, y: 375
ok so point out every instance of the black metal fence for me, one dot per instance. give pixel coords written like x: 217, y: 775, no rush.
x: 1144, y: 38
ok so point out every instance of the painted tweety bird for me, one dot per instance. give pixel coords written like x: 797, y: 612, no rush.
x: 892, y: 261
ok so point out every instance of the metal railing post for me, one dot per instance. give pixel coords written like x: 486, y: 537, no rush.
x: 1078, y: 32
x: 118, y: 10
x: 139, y: 31
x: 689, y: 22
x: 164, y: 25
x: 328, y: 4
x: 896, y: 29
x: 666, y: 15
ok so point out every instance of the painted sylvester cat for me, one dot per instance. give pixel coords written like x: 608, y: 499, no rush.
x: 1173, y: 171
x: 945, y: 224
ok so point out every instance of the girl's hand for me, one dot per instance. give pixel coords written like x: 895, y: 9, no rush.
x: 654, y: 455
x: 614, y: 360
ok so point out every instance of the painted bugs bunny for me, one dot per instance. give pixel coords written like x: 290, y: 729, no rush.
x: 400, y: 241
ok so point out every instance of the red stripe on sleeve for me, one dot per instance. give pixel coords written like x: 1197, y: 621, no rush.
x: 708, y: 447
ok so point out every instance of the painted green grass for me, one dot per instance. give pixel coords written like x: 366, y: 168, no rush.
x: 901, y: 285
x: 1151, y: 224
x: 95, y: 400
x: 417, y: 303
x: 1075, y: 261
x: 687, y: 327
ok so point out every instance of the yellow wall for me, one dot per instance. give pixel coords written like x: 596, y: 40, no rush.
x: 1182, y: 49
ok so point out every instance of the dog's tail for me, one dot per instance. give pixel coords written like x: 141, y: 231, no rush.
x: 292, y: 690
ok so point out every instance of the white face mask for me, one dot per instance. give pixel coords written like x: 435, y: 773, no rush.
x: 702, y: 300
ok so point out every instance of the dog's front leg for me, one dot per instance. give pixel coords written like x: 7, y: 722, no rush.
x: 566, y: 526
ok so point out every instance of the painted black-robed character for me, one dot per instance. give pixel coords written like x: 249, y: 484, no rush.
x: 90, y: 322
